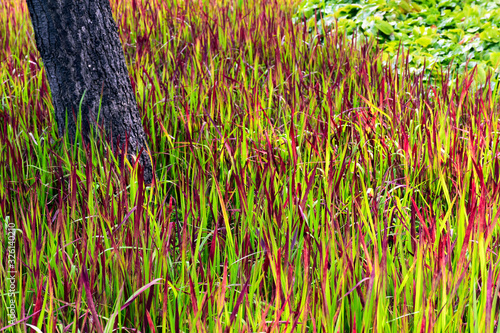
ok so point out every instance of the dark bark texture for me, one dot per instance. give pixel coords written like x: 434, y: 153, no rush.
x: 82, y: 53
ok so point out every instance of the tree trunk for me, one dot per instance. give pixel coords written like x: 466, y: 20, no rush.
x: 83, y: 57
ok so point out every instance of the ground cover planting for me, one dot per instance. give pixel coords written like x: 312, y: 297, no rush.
x: 437, y: 33
x: 302, y: 185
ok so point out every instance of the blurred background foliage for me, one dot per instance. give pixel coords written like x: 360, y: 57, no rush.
x: 442, y: 34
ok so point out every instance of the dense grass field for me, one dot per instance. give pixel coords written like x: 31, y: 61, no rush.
x: 301, y: 185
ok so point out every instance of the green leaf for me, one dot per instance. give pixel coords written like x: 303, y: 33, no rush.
x: 384, y: 27
x: 481, y: 74
x: 424, y: 41
x: 495, y: 59
x: 111, y: 322
x: 405, y: 6
x: 490, y: 35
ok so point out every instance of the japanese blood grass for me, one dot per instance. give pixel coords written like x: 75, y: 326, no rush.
x: 302, y: 186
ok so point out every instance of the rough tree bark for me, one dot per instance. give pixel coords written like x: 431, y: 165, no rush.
x: 83, y: 56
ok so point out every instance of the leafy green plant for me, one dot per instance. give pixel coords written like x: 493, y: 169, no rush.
x: 463, y: 34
